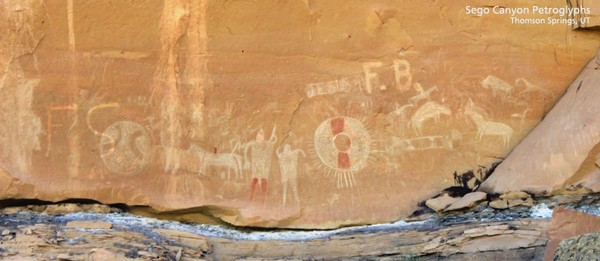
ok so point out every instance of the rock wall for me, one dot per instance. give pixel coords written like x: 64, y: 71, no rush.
x: 591, y: 20
x: 304, y: 114
x: 565, y: 145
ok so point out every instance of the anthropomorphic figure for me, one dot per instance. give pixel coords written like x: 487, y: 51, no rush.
x: 260, y: 151
x: 288, y: 166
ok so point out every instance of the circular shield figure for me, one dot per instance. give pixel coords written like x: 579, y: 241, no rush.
x: 342, y: 144
x: 125, y: 148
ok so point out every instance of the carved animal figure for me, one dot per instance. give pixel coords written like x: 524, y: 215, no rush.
x: 490, y: 128
x: 530, y: 88
x: 400, y: 111
x: 429, y: 110
x: 398, y: 116
x: 497, y: 85
x: 228, y: 160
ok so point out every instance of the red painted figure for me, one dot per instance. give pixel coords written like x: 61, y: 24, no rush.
x: 261, y: 151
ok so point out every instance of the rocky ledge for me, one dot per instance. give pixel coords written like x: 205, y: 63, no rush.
x: 97, y: 232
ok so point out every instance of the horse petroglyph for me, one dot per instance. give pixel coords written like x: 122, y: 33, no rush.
x: 211, y: 159
x: 489, y: 128
x: 497, y: 85
x: 429, y: 110
x: 531, y: 88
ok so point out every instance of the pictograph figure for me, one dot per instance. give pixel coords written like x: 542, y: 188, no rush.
x: 288, y: 166
x: 260, y: 160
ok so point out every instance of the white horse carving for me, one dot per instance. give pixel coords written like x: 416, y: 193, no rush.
x: 227, y: 160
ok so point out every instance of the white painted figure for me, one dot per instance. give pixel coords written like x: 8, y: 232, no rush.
x: 288, y: 167
x: 489, y: 128
x: 226, y: 160
x: 497, y: 85
x: 531, y: 88
x: 429, y: 110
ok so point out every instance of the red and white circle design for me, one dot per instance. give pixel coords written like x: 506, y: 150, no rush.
x: 342, y: 144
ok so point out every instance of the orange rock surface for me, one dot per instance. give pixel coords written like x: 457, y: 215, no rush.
x: 560, y: 153
x: 304, y: 114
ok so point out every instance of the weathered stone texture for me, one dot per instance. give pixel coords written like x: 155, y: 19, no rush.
x: 304, y: 114
x: 560, y: 152
x: 567, y: 224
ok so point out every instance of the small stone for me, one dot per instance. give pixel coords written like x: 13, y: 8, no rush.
x: 102, y: 254
x: 183, y: 238
x: 97, y: 208
x: 440, y: 203
x: 5, y: 232
x: 467, y: 201
x: 433, y: 244
x: 515, y: 195
x: 28, y: 231
x: 567, y: 199
x: 147, y: 254
x: 178, y: 256
x: 62, y: 209
x: 37, y: 208
x: 499, y: 204
x: 420, y: 217
x: 519, y: 202
x: 12, y: 210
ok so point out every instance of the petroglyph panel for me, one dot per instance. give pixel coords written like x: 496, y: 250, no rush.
x: 20, y: 125
x: 301, y: 114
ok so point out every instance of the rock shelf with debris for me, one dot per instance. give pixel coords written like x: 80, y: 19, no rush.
x: 97, y: 232
x: 448, y: 201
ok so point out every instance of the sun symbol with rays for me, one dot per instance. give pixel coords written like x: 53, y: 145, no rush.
x: 343, y: 145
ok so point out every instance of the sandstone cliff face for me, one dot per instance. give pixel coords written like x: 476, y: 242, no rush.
x: 306, y: 114
x: 565, y: 145
x: 591, y: 20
